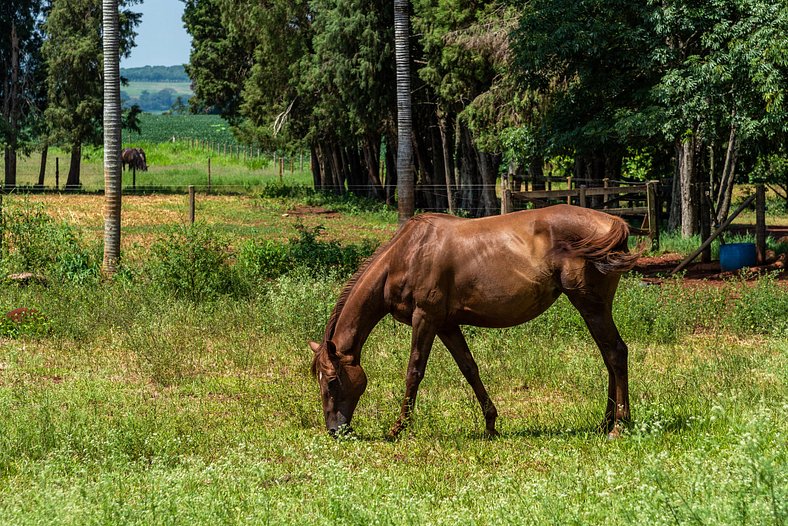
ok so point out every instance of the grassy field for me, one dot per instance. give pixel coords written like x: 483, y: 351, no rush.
x: 172, y: 167
x: 157, y: 399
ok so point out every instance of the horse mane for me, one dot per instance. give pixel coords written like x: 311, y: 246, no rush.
x: 608, y: 252
x: 322, y: 355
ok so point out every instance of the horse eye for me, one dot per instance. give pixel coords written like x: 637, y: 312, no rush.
x: 333, y: 384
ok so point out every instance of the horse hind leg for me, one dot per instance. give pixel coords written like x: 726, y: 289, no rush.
x: 598, y: 316
x: 455, y: 342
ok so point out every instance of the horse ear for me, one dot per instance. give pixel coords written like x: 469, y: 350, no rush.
x: 314, y: 346
x: 331, y: 349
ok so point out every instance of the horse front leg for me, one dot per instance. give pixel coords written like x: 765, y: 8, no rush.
x: 421, y: 345
x: 455, y: 342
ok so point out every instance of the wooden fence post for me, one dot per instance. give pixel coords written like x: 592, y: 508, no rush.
x: 760, y: 223
x: 569, y: 187
x: 209, y: 175
x: 57, y: 173
x: 506, y: 195
x: 605, y: 184
x: 581, y: 195
x: 652, y: 203
x: 191, y: 204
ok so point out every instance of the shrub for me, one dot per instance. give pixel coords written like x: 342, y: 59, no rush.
x: 193, y: 263
x: 34, y: 242
x: 269, y: 259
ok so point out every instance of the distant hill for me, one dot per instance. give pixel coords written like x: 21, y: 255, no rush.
x: 155, y: 74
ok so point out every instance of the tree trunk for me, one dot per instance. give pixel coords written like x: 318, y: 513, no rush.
x: 10, y: 166
x: 447, y: 168
x: 112, y: 137
x: 371, y: 149
x: 488, y: 168
x: 405, y: 175
x: 690, y: 191
x: 536, y: 169
x: 674, y: 213
x: 728, y: 177
x: 73, y: 169
x: 11, y: 110
x: 317, y: 178
x: 391, y: 170
x: 43, y: 169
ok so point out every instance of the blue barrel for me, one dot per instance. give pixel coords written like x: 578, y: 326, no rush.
x: 737, y: 255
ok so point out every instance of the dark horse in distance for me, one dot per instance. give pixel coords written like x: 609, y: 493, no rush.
x: 134, y: 158
x: 440, y: 272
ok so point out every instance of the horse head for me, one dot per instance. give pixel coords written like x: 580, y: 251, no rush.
x: 342, y: 383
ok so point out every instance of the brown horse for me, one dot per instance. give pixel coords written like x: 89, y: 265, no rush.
x: 141, y: 159
x: 439, y: 272
x: 134, y: 158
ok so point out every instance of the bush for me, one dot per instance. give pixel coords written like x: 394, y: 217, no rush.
x: 269, y: 259
x: 34, y: 242
x: 192, y: 263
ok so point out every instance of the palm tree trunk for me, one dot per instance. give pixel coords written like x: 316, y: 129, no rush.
x: 405, y: 172
x: 112, y: 138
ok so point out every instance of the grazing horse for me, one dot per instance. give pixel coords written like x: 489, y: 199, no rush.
x: 134, y: 158
x: 141, y: 160
x: 129, y: 157
x: 440, y: 272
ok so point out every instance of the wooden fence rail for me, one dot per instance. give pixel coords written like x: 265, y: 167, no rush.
x: 639, y: 193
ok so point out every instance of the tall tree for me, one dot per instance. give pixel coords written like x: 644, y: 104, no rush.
x: 405, y: 173
x: 112, y: 136
x: 21, y: 73
x: 73, y: 54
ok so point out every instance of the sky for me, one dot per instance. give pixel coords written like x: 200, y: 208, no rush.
x: 161, y: 37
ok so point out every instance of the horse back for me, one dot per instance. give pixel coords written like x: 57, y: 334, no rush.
x: 501, y: 270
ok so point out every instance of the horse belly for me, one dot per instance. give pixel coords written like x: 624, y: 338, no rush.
x: 503, y: 304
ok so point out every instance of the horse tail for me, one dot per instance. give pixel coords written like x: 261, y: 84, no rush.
x: 608, y: 252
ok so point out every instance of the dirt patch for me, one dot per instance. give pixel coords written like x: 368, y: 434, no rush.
x: 301, y: 211
x: 656, y: 269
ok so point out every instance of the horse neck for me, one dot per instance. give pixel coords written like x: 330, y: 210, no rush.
x: 363, y: 307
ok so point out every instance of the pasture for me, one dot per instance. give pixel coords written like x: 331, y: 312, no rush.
x: 180, y: 393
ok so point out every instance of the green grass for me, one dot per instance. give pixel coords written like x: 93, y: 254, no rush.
x: 161, y: 411
x: 172, y: 167
x: 127, y: 402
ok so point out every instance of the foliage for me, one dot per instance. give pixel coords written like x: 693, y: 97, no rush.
x: 268, y: 259
x: 34, y: 242
x: 161, y: 100
x: 192, y: 262
x: 73, y: 55
x: 22, y: 97
x: 155, y: 74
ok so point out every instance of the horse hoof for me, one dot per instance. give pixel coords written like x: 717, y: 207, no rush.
x: 491, y: 433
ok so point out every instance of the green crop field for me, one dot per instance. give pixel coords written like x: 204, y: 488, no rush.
x: 163, y: 128
x: 179, y: 392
